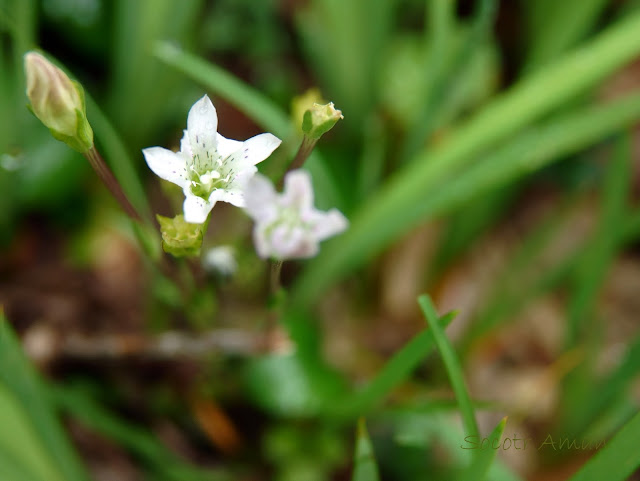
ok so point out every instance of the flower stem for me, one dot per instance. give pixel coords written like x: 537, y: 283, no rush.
x: 109, y: 180
x: 306, y: 147
x: 274, y: 280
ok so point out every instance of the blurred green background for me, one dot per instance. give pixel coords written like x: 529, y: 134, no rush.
x: 489, y: 155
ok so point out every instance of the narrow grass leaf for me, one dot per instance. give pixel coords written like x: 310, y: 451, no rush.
x: 19, y: 377
x: 394, y: 372
x: 365, y: 467
x: 618, y: 459
x: 605, y: 243
x: 382, y: 220
x: 138, y: 441
x: 480, y: 464
x: 23, y: 445
x: 452, y: 365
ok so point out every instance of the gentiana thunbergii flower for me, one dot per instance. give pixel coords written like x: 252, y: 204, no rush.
x: 58, y: 102
x: 209, y: 167
x: 287, y: 225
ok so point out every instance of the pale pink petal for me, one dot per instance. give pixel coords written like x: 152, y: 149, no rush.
x: 328, y: 224
x: 298, y: 190
x: 260, y: 198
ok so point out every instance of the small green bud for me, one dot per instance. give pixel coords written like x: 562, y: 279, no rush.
x: 320, y: 119
x: 301, y: 103
x: 58, y: 102
x: 180, y: 238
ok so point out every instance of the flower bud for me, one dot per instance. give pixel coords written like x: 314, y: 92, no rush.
x: 58, y: 102
x: 180, y: 238
x: 319, y: 119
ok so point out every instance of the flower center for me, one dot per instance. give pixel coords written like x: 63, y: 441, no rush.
x: 208, y: 177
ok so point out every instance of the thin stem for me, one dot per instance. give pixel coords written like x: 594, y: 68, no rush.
x: 274, y: 280
x: 107, y: 177
x: 306, y: 147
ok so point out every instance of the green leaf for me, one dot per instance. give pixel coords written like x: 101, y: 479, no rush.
x: 365, y: 467
x: 166, y: 465
x: 452, y: 365
x: 619, y: 458
x: 480, y: 464
x: 394, y: 372
x: 394, y: 210
x: 24, y: 396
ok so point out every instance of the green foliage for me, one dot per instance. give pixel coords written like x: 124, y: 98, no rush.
x: 618, y: 459
x: 365, y: 468
x: 37, y: 448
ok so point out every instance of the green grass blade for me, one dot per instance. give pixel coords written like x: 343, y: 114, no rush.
x: 381, y: 222
x: 23, y: 445
x: 480, y: 30
x: 619, y: 458
x: 556, y: 26
x: 603, y: 247
x: 166, y: 465
x: 394, y: 372
x: 259, y: 108
x: 19, y: 377
x: 452, y: 365
x: 365, y: 467
x: 480, y: 464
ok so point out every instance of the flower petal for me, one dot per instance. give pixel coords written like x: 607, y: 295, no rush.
x: 167, y: 165
x: 185, y: 145
x: 327, y: 224
x: 233, y: 197
x: 202, y: 125
x: 226, y: 147
x: 260, y: 199
x: 258, y: 148
x: 298, y: 190
x: 196, y: 209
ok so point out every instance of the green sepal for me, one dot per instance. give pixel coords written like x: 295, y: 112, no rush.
x: 180, y: 238
x: 319, y: 119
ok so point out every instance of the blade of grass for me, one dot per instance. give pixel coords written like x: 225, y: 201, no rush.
x: 618, y: 459
x: 165, y: 464
x: 556, y: 26
x: 452, y: 365
x: 601, y: 396
x: 23, y: 446
x: 365, y: 467
x: 384, y: 218
x: 19, y: 377
x: 481, y: 28
x: 604, y: 245
x: 394, y: 372
x: 480, y: 464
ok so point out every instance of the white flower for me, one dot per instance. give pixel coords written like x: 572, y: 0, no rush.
x: 209, y: 167
x: 220, y: 260
x: 287, y: 226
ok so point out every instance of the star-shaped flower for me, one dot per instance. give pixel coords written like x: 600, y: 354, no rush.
x: 209, y: 167
x: 288, y: 226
